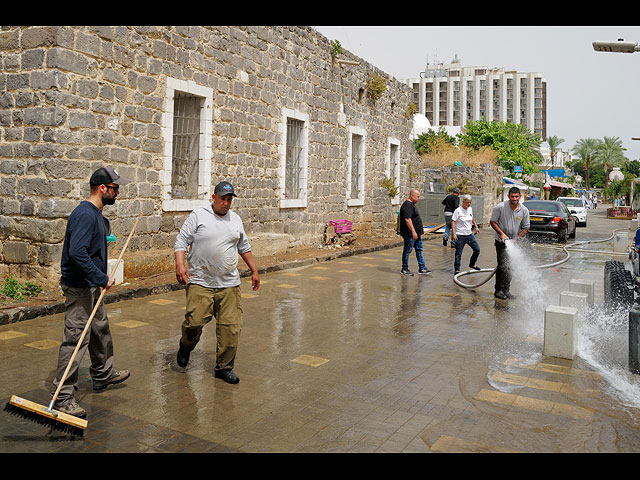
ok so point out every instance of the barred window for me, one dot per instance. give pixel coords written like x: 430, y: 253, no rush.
x: 186, y: 145
x: 356, y: 166
x: 293, y: 159
x: 187, y: 128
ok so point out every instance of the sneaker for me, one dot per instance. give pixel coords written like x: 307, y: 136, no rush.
x: 70, y: 407
x: 406, y: 271
x: 500, y: 295
x: 456, y: 272
x: 183, y: 356
x: 117, y: 377
x: 444, y: 242
x: 424, y: 271
x: 226, y: 375
x: 510, y: 296
x: 474, y: 268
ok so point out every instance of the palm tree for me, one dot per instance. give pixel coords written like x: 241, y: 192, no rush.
x: 609, y: 154
x: 585, y: 148
x: 554, y: 142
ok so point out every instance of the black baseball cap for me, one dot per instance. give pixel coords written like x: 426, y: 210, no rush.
x: 224, y: 188
x: 105, y: 175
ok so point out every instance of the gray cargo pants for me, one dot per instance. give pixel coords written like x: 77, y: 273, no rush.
x: 79, y: 303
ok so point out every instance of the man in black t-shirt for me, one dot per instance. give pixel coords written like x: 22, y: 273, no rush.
x: 411, y: 230
x: 450, y: 202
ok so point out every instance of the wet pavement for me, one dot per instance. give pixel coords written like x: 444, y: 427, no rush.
x: 350, y: 356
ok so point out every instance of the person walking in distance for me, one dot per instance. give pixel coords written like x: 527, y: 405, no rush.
x: 213, y: 236
x: 510, y: 220
x: 450, y: 202
x: 462, y: 224
x: 83, y: 269
x: 411, y: 230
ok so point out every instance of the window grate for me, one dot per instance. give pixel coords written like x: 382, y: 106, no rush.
x: 356, y: 166
x: 293, y: 166
x: 186, y: 145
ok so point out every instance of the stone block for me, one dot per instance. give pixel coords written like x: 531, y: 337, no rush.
x: 578, y: 300
x: 15, y: 252
x: 583, y: 286
x: 560, y: 334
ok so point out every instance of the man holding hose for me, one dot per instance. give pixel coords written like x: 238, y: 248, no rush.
x: 83, y: 271
x: 510, y: 220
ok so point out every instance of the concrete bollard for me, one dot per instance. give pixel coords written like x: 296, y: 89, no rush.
x: 578, y: 300
x: 119, y: 273
x: 560, y: 336
x: 583, y: 286
x: 620, y: 241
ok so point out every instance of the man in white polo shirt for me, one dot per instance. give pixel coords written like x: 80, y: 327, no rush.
x: 213, y: 236
x: 510, y: 220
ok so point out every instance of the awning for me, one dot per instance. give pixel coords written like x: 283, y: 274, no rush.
x: 553, y: 183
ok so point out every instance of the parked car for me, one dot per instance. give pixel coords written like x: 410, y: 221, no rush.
x: 577, y: 207
x: 551, y: 217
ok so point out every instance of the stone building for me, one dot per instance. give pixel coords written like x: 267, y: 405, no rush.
x: 177, y: 109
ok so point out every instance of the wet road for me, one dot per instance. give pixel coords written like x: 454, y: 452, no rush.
x: 350, y: 356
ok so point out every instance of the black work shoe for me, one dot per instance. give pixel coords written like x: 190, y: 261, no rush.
x: 474, y: 268
x: 500, y: 295
x: 226, y: 375
x: 406, y: 271
x: 424, y: 271
x: 183, y: 356
x: 444, y: 242
x: 117, y: 377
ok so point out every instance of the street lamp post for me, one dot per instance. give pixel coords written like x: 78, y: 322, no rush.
x: 618, y: 47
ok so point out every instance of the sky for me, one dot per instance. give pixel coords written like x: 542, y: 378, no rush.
x: 589, y: 94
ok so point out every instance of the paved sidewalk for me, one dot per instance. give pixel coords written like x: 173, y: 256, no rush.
x: 350, y: 356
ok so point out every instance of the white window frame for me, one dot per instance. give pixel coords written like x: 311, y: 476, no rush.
x: 205, y: 146
x: 396, y: 167
x: 304, y: 117
x: 359, y: 201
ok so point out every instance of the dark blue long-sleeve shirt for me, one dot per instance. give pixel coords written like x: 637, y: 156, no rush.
x: 84, y: 252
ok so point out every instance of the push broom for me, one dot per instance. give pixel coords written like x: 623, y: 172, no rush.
x: 47, y: 416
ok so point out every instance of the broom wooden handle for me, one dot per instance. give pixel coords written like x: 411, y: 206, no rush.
x: 93, y: 313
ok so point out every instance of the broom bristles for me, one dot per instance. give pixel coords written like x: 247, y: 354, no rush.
x: 57, y: 421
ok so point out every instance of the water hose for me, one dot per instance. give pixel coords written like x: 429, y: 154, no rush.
x: 566, y: 248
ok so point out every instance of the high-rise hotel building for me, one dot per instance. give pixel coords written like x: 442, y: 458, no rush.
x: 452, y: 95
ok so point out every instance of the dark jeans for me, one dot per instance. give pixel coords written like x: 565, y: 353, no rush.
x: 462, y: 241
x: 447, y: 227
x: 410, y: 244
x: 503, y: 274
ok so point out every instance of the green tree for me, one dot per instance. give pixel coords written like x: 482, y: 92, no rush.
x: 608, y: 155
x: 585, y: 148
x: 554, y: 142
x: 514, y: 143
x: 425, y: 142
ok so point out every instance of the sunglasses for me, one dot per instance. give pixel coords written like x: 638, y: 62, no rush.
x: 115, y: 188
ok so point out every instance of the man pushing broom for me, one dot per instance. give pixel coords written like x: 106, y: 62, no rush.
x: 83, y: 276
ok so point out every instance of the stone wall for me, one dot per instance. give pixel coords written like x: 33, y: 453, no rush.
x: 484, y: 180
x: 73, y: 99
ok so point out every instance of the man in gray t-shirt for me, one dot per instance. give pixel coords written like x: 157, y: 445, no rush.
x: 214, y: 237
x: 510, y: 220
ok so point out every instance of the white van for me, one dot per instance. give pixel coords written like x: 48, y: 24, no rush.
x: 577, y: 207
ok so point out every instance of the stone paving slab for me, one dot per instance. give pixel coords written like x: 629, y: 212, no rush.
x: 344, y: 356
